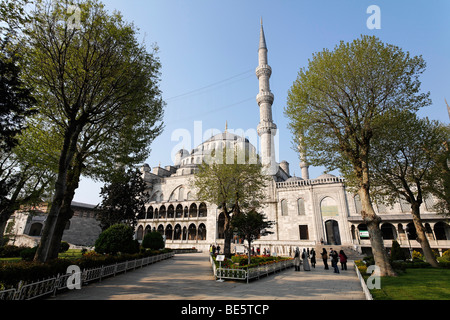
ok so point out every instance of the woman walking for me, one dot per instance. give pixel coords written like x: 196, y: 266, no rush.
x: 325, y: 258
x: 343, y: 260
x: 297, y: 259
x: 306, y: 266
x: 313, y: 258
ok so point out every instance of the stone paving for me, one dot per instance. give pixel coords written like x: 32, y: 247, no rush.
x: 189, y: 277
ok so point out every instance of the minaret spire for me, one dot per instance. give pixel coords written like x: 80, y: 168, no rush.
x: 266, y: 128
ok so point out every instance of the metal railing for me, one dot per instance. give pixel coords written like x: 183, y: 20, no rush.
x: 250, y: 273
x: 55, y: 284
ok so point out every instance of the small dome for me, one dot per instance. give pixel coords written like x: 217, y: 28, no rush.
x: 294, y: 178
x: 326, y: 176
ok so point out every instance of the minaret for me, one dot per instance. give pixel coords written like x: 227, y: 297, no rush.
x: 266, y: 128
x: 304, y: 166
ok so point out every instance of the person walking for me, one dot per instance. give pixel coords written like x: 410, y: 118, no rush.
x: 343, y: 260
x: 306, y: 266
x: 297, y: 259
x: 325, y: 258
x: 313, y: 258
x: 335, y: 259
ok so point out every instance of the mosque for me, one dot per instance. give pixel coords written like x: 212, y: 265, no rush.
x: 307, y: 212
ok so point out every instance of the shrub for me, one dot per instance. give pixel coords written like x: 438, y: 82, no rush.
x: 10, y: 251
x: 153, y: 240
x: 117, y: 239
x: 64, y: 246
x: 28, y: 253
x: 396, y: 252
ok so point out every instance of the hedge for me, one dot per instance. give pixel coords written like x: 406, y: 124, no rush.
x: 12, y: 273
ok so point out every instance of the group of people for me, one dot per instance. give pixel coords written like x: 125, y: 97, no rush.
x: 307, y: 256
x: 335, y: 258
x: 213, y: 249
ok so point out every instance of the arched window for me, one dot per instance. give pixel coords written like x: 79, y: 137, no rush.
x: 147, y: 230
x: 388, y: 231
x: 156, y: 213
x: 161, y: 229
x: 221, y: 226
x: 181, y: 194
x: 150, y: 212
x: 179, y: 211
x: 201, y: 232
x: 169, y: 232
x: 177, y: 232
x: 202, y: 210
x: 193, y: 211
x: 301, y: 207
x: 185, y: 212
x: 192, y: 232
x: 284, y: 208
x: 184, y: 233
x: 35, y: 230
x: 162, y: 212
x: 140, y: 233
x: 441, y: 230
x: 328, y: 207
x: 170, y: 212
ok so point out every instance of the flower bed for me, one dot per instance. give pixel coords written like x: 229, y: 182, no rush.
x: 237, y: 267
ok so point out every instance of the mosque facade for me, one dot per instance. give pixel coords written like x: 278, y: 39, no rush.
x: 307, y: 212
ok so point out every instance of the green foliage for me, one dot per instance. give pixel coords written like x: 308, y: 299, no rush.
x: 396, y: 251
x: 117, y: 239
x: 28, y: 254
x: 123, y: 199
x: 334, y: 102
x: 153, y: 240
x: 29, y: 271
x: 64, y: 246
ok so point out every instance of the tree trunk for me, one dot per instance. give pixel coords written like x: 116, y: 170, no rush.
x: 422, y: 237
x: 46, y: 246
x: 376, y: 240
x: 66, y: 212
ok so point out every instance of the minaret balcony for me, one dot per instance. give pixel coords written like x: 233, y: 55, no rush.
x: 265, y: 97
x: 263, y: 69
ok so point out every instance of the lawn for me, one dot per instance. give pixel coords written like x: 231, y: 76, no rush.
x: 415, y: 284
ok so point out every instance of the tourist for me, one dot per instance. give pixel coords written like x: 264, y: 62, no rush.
x: 297, y: 259
x: 343, y: 260
x: 218, y: 249
x: 334, y: 260
x: 313, y: 258
x: 325, y: 258
x: 306, y: 266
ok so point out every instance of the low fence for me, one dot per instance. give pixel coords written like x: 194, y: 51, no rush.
x: 250, y: 273
x: 58, y: 283
x: 363, y: 284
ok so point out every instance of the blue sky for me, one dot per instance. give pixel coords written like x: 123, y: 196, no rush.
x: 208, y: 51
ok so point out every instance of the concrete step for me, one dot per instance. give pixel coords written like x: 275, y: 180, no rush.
x: 349, y: 251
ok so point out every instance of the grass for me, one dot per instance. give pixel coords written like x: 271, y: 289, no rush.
x: 415, y: 284
x: 69, y: 254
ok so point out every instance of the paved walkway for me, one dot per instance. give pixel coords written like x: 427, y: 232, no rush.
x: 189, y: 277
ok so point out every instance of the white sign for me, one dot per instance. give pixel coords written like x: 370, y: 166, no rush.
x: 220, y: 257
x: 364, y: 234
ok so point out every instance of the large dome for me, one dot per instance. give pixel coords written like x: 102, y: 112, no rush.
x: 217, y: 142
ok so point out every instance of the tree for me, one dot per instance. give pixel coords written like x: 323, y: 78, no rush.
x: 250, y: 226
x: 403, y: 155
x: 123, y: 199
x: 230, y: 180
x: 153, y: 240
x: 117, y: 239
x: 96, y: 84
x: 333, y: 106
